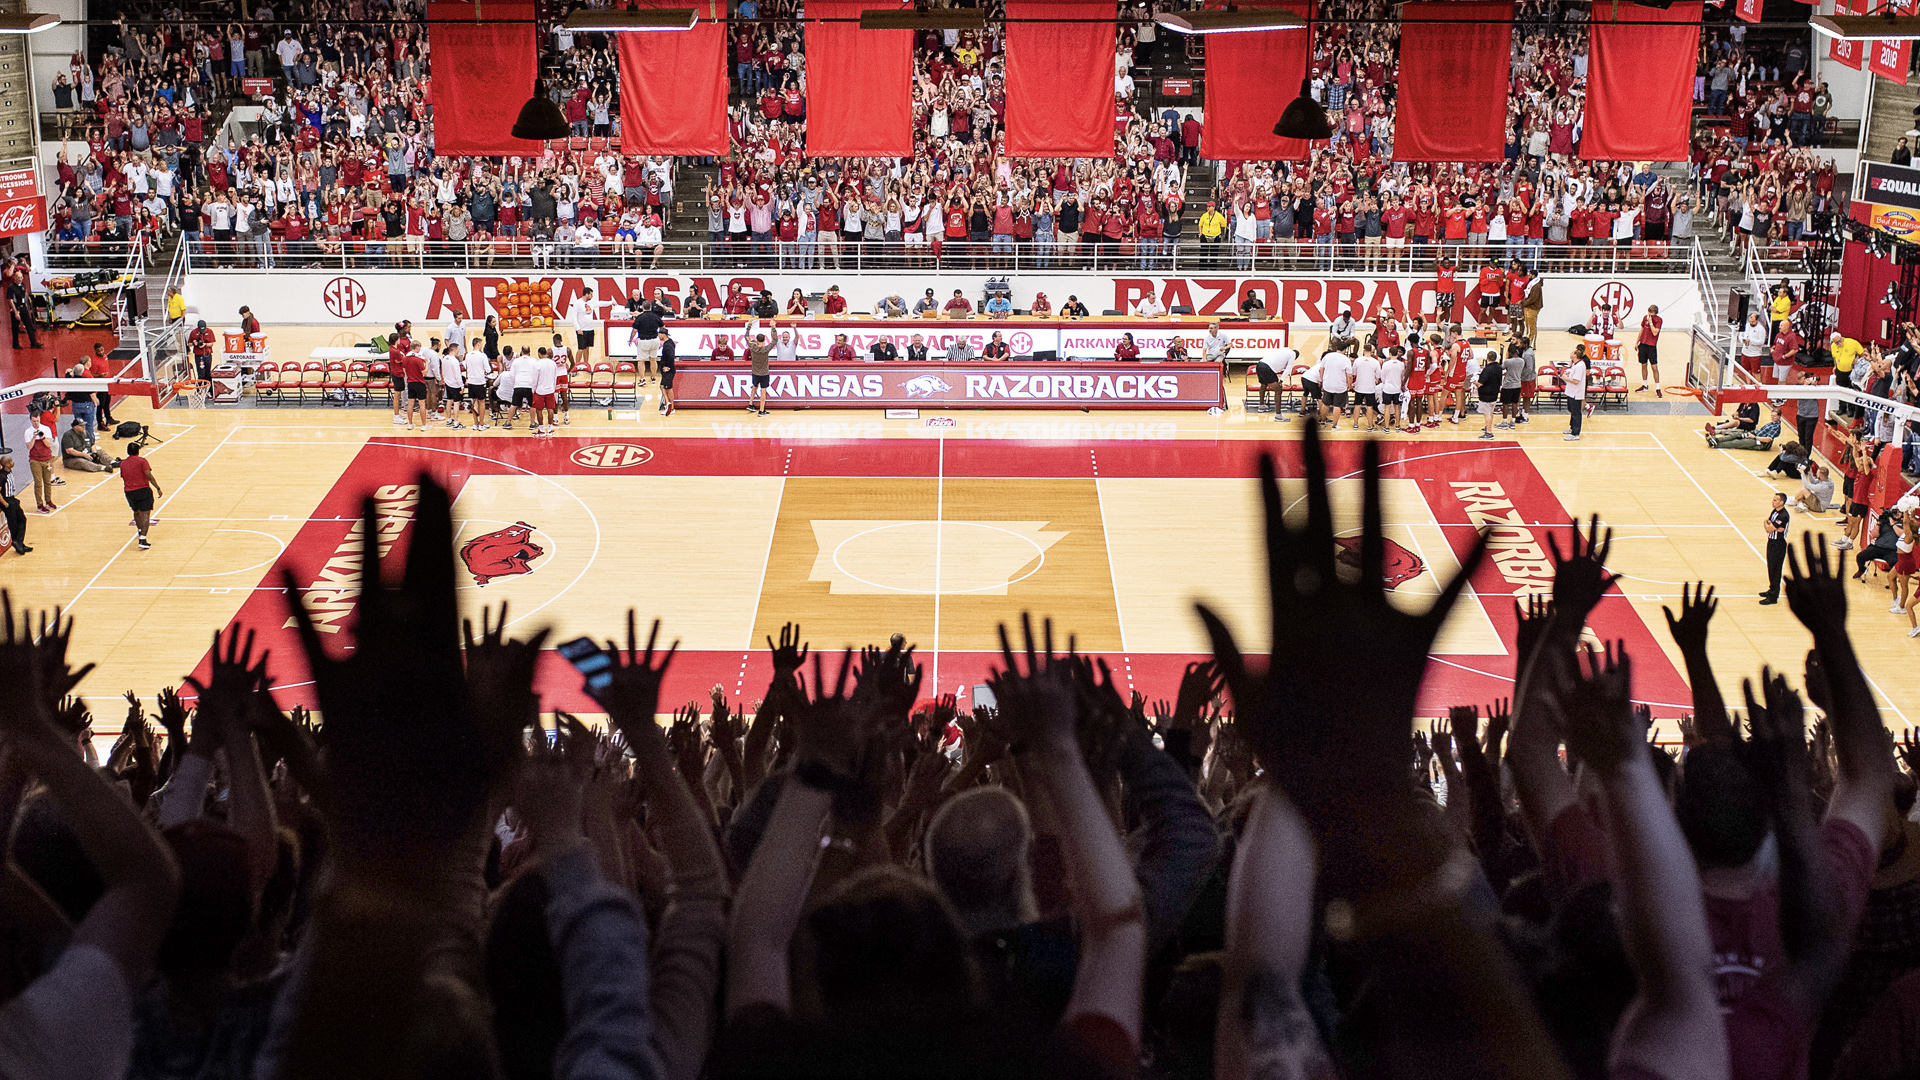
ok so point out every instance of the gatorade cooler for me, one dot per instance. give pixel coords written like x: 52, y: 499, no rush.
x: 1613, y: 352
x: 257, y: 344
x: 236, y: 341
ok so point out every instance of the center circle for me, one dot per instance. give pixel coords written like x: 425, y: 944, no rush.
x: 973, y: 557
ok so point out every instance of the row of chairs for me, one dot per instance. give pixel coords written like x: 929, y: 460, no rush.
x: 367, y: 382
x: 1606, y: 387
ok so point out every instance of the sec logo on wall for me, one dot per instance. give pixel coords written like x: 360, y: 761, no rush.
x: 1615, y: 293
x: 345, y: 298
x: 612, y: 455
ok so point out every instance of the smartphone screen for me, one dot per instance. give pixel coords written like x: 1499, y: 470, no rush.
x: 588, y: 659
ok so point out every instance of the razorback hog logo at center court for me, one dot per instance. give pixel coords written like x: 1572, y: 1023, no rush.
x: 925, y: 386
x: 1401, y: 565
x: 502, y: 553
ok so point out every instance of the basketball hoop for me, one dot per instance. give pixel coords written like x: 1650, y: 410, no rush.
x: 196, y: 391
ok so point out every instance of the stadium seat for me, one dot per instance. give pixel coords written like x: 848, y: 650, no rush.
x: 333, y: 380
x: 600, y: 383
x: 313, y: 378
x: 266, y: 382
x: 626, y: 381
x: 359, y: 382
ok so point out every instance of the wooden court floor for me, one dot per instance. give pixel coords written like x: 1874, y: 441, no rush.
x: 726, y: 526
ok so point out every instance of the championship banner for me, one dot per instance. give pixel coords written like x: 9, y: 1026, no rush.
x: 22, y: 208
x: 940, y: 385
x: 1891, y: 198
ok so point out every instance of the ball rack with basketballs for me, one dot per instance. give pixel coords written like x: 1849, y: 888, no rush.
x: 526, y: 305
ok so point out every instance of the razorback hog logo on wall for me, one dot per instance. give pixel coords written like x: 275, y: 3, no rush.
x: 502, y: 553
x: 1401, y: 565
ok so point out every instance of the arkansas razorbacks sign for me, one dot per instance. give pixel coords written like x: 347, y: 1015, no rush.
x: 502, y: 553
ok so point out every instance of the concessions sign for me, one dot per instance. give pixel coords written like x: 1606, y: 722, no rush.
x: 1176, y: 87
x: 256, y: 87
x: 22, y: 208
x: 976, y: 385
x: 1892, y: 197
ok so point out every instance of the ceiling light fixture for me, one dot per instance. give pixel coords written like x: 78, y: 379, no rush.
x: 923, y: 19
x: 1888, y: 27
x: 28, y: 22
x: 1229, y: 22
x: 630, y: 20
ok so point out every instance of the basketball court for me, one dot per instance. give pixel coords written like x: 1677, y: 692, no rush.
x: 726, y: 525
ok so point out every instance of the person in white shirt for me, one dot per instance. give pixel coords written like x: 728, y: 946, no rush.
x: 580, y: 314
x: 1270, y: 370
x: 546, y: 376
x: 786, y: 348
x: 1366, y: 389
x: 1574, y: 385
x: 522, y: 370
x: 1215, y: 345
x: 477, y: 368
x: 1310, y: 392
x: 503, y: 386
x: 453, y: 379
x: 457, y: 329
x: 1336, y: 377
x: 1393, y: 382
x: 1149, y: 307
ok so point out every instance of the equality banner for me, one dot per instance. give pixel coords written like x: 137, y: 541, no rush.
x: 1454, y: 69
x: 973, y: 385
x: 859, y: 84
x: 1640, y: 82
x: 1253, y: 76
x: 673, y: 87
x: 485, y: 66
x: 1060, y: 79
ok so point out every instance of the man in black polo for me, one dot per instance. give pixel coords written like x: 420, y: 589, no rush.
x: 648, y: 324
x: 883, y: 350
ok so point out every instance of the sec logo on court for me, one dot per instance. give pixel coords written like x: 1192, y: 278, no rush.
x: 345, y: 298
x: 612, y: 455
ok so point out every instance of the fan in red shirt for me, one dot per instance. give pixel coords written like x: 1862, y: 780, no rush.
x: 397, y: 348
x: 840, y: 351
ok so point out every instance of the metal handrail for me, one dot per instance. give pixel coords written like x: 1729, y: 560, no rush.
x: 884, y: 257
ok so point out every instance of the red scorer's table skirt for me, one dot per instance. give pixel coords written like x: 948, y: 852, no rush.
x: 978, y: 384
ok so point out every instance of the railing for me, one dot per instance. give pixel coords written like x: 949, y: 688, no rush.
x: 162, y: 340
x: 65, y: 255
x: 1188, y: 256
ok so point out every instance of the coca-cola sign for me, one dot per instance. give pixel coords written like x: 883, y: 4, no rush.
x: 19, y: 218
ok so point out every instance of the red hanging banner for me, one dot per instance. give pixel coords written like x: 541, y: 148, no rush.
x: 1251, y: 77
x: 1748, y: 10
x: 673, y: 86
x: 859, y: 84
x: 1890, y: 58
x: 1640, y: 82
x: 484, y: 69
x: 1845, y: 52
x: 1454, y: 65
x: 1060, y: 79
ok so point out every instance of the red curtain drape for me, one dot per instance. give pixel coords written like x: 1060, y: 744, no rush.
x: 483, y: 71
x: 1640, y: 83
x: 1060, y: 79
x: 1250, y: 79
x: 673, y: 87
x: 1454, y: 65
x: 859, y: 84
